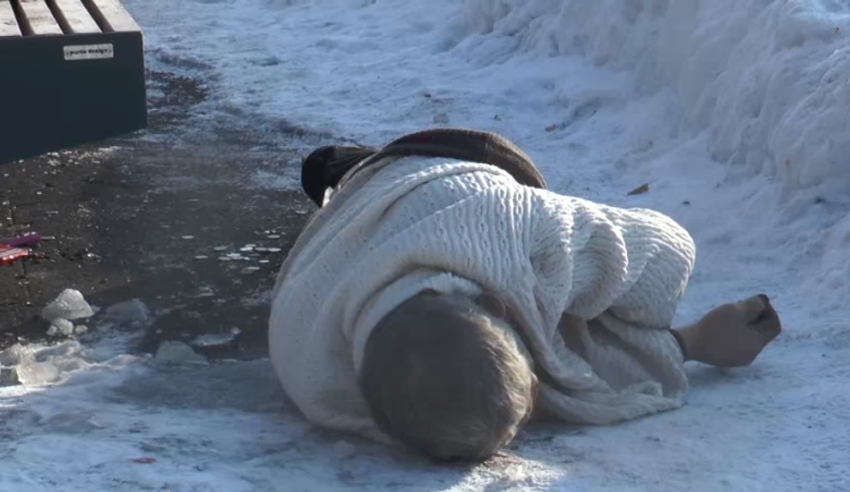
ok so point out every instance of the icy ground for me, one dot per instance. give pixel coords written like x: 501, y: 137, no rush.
x: 734, y: 112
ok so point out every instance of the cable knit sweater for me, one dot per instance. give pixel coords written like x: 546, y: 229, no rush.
x: 407, y: 224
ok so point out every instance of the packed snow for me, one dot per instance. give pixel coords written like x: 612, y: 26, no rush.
x: 733, y: 112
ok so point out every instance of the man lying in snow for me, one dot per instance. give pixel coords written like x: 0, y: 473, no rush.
x: 441, y: 296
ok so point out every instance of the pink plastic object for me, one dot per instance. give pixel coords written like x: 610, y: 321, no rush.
x: 9, y: 254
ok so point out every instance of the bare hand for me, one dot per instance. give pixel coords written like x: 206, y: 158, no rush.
x: 733, y: 334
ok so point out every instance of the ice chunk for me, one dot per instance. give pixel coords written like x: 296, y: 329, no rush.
x: 215, y: 339
x: 12, y: 355
x: 38, y: 364
x: 33, y: 373
x: 178, y: 353
x: 69, y: 305
x: 133, y: 313
x: 60, y: 326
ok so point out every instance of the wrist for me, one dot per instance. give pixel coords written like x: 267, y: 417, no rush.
x: 688, y: 338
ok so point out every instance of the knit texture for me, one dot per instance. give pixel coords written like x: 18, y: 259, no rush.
x: 403, y: 225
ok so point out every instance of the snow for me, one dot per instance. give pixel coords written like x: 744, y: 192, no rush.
x: 734, y: 112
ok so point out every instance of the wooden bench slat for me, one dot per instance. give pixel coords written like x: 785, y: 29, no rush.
x: 76, y: 17
x: 40, y: 18
x: 115, y: 15
x: 8, y: 22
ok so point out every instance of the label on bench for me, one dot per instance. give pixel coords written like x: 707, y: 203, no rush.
x: 89, y: 52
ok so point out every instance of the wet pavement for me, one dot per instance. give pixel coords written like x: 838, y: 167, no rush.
x: 169, y: 217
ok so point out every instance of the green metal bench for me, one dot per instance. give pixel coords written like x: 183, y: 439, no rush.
x: 71, y: 72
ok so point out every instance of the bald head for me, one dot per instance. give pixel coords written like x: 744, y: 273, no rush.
x: 445, y: 376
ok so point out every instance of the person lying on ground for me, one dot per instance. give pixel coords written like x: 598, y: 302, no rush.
x: 441, y: 298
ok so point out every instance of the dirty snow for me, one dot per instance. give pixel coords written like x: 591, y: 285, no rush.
x: 734, y: 112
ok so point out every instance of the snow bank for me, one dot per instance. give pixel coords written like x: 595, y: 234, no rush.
x: 769, y: 81
x: 604, y: 95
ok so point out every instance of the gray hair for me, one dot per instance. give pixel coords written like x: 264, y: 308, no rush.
x: 445, y: 377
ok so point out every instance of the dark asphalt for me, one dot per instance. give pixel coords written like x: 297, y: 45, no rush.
x: 117, y: 224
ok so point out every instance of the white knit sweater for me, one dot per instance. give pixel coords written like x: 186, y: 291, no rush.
x: 406, y: 224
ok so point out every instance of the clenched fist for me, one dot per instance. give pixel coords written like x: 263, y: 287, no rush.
x: 733, y: 334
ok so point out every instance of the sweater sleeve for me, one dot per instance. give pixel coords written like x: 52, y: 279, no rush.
x: 661, y: 257
x: 633, y: 263
x: 620, y: 274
